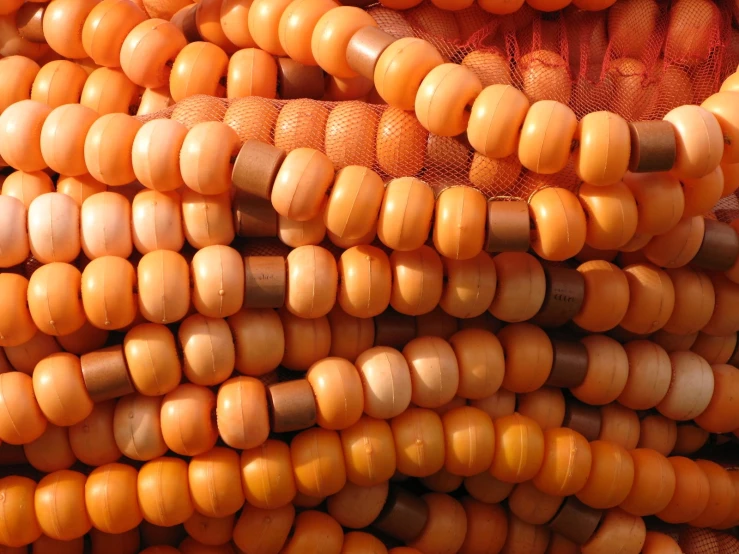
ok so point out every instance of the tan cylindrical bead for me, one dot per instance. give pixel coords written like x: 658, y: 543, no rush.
x: 292, y: 406
x: 295, y: 80
x: 106, y: 374
x: 265, y: 281
x: 256, y: 168
x: 508, y: 227
x: 254, y: 217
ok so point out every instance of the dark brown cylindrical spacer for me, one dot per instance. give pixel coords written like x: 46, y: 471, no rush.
x: 358, y: 3
x: 404, y: 515
x: 292, y: 406
x: 653, y: 146
x: 265, y: 281
x: 295, y: 80
x: 256, y: 167
x: 105, y: 373
x: 190, y: 25
x: 576, y: 521
x: 570, y: 364
x: 254, y: 217
x: 734, y: 360
x: 720, y: 248
x: 582, y: 418
x: 622, y: 335
x: 365, y: 48
x: 29, y: 21
x: 509, y: 226
x: 394, y: 329
x: 564, y: 296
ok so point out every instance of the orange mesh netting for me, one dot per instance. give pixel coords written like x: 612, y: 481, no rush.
x: 640, y: 59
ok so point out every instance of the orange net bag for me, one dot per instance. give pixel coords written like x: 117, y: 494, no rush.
x: 639, y: 59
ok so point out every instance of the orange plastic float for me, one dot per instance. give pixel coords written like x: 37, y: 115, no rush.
x: 406, y: 372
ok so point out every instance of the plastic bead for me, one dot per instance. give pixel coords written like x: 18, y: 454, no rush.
x: 566, y: 465
x: 700, y: 144
x: 604, y: 231
x: 60, y: 390
x: 519, y: 449
x: 212, y: 476
x: 620, y: 528
x: 310, y: 527
x: 152, y: 359
x: 445, y: 527
x: 164, y: 286
x: 434, y: 371
x: 604, y: 149
x: 251, y: 72
x: 105, y: 29
x: 649, y: 375
x: 441, y: 108
x: 108, y: 91
x: 692, y: 492
x: 137, y: 430
x: 20, y: 525
x: 186, y: 420
x: 14, y: 247
x: 521, y: 287
x: 16, y: 323
x: 20, y: 131
x: 93, y: 439
x: 218, y: 281
x: 113, y: 508
x: 497, y: 107
x: 660, y: 201
x: 263, y: 23
x: 331, y: 37
x: 105, y: 220
x: 296, y: 26
x: 401, y: 68
x: 366, y: 281
x: 652, y: 299
x: 59, y: 499
x: 679, y: 245
x: 157, y: 221
x: 199, y: 68
x: 272, y: 528
x: 399, y: 227
x: 301, y: 184
x: 538, y: 149
x: 369, y: 452
x: 414, y: 458
x: 691, y: 387
x: 608, y: 371
x: 148, y: 49
x: 23, y: 421
x: 417, y: 278
x: 560, y: 223
x: 386, y: 382
x: 166, y: 480
x: 108, y: 148
x: 318, y: 462
x: 205, y: 157
x: 529, y: 357
x: 267, y: 477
